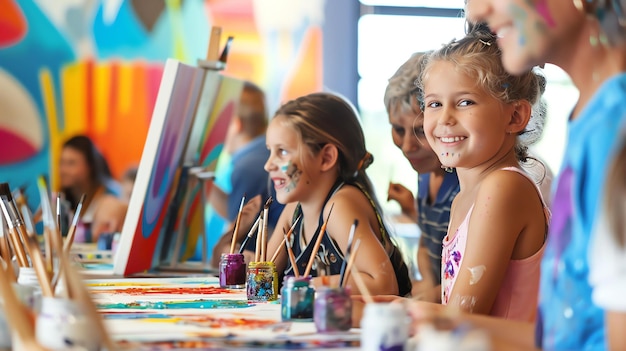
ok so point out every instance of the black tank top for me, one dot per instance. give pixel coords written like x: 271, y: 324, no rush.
x: 329, y: 258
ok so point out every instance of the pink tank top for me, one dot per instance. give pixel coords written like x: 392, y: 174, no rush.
x: 517, y: 298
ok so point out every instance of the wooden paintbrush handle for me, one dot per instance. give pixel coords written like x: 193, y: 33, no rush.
x: 40, y: 268
x: 18, y: 248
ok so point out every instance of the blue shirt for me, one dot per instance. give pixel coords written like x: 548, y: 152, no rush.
x: 242, y: 174
x: 433, y: 218
x: 249, y: 177
x: 567, y: 318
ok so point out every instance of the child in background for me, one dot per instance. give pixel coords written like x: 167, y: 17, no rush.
x: 84, y: 170
x: 586, y: 39
x: 436, y: 188
x: 475, y: 119
x: 318, y: 160
x: 608, y: 255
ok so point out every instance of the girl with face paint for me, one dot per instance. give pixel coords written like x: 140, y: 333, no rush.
x: 475, y: 119
x: 318, y: 160
x: 436, y: 187
x: 586, y: 39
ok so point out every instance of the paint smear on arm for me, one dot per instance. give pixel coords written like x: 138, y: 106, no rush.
x: 476, y: 273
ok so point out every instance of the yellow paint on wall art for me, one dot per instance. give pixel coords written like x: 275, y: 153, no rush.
x: 101, y: 96
x: 50, y: 109
x: 74, y: 98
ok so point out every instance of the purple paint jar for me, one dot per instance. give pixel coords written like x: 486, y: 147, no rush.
x: 232, y: 271
x: 333, y: 310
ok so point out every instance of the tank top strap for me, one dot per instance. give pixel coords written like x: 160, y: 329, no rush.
x: 305, y: 250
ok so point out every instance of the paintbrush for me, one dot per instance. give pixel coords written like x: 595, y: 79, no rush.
x: 344, y: 281
x: 250, y: 234
x: 309, y: 265
x: 40, y: 267
x: 342, y: 272
x: 292, y: 257
x: 69, y: 240
x: 237, y: 222
x: 55, y: 240
x: 257, y: 249
x: 360, y: 284
x: 266, y: 209
x: 48, y: 221
x: 5, y: 249
x: 22, y: 205
x: 59, y: 213
x: 16, y: 225
x: 287, y: 236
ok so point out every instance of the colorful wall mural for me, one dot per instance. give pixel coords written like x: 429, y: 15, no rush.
x: 93, y: 67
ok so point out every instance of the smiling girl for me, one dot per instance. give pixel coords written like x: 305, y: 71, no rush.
x: 474, y: 117
x: 318, y: 160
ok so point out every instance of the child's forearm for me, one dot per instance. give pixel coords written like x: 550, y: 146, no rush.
x: 506, y: 334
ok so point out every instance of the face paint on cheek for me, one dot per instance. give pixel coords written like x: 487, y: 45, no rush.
x: 519, y: 19
x: 542, y: 9
x: 293, y: 172
x: 284, y: 168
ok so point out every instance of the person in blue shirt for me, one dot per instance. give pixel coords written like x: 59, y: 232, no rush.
x: 436, y: 188
x: 244, y: 174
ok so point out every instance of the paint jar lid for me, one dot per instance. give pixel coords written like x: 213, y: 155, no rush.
x: 291, y: 281
x: 236, y: 257
x: 326, y: 290
x: 262, y: 265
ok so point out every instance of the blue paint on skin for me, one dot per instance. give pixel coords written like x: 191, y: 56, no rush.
x: 293, y: 172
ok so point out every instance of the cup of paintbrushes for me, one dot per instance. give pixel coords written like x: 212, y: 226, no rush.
x: 28, y: 282
x: 28, y: 296
x: 262, y: 282
x: 232, y: 271
x: 333, y: 309
x: 62, y: 324
x: 296, y: 299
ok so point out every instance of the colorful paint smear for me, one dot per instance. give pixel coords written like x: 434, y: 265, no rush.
x: 167, y: 290
x: 215, y: 111
x: 542, y: 8
x: 171, y: 305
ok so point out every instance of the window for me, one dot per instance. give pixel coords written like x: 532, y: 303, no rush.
x: 385, y: 41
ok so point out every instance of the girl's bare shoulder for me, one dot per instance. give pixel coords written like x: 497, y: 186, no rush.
x: 506, y: 188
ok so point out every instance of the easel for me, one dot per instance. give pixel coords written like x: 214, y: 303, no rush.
x: 213, y: 62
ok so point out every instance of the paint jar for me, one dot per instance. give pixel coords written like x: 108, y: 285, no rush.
x: 232, y: 271
x: 26, y: 295
x: 28, y: 278
x: 333, y: 310
x: 62, y: 325
x: 384, y: 326
x: 262, y: 282
x: 463, y: 337
x: 296, y: 299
